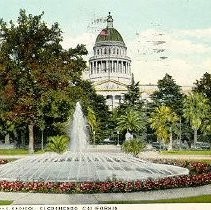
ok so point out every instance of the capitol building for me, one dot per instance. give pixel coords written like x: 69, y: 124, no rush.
x: 110, y: 67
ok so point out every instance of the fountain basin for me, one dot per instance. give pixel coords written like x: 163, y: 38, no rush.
x: 85, y: 166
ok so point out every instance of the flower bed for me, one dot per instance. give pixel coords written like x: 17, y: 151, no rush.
x: 3, y: 161
x: 194, y: 167
x: 200, y: 174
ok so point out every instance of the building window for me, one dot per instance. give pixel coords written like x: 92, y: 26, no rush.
x: 109, y: 97
x: 117, y: 97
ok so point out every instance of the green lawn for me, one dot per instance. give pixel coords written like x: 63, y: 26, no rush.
x: 195, y: 199
x: 186, y: 152
x: 5, y: 202
x: 17, y: 152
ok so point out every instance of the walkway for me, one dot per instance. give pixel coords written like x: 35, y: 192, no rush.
x: 42, y: 198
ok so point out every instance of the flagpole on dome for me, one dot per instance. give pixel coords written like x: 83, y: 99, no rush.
x: 109, y: 25
x: 109, y: 21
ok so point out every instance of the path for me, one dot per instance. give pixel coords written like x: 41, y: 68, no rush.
x: 43, y: 198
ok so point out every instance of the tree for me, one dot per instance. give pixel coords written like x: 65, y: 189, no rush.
x: 132, y: 103
x: 168, y: 94
x: 206, y: 126
x: 204, y: 86
x: 92, y: 121
x: 131, y: 98
x: 196, y: 110
x: 89, y: 97
x: 163, y: 121
x: 32, y: 64
x: 55, y: 109
x: 132, y: 121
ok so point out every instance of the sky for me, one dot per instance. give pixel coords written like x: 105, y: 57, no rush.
x: 162, y: 36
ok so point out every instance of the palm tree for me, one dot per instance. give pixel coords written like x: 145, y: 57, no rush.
x: 132, y: 121
x: 58, y: 144
x: 196, y: 109
x: 164, y: 121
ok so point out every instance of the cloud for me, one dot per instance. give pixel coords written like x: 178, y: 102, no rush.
x: 155, y: 53
x: 198, y: 33
x: 174, y: 42
x: 206, y: 65
x: 185, y: 46
x: 181, y: 54
x: 86, y: 38
x: 152, y: 71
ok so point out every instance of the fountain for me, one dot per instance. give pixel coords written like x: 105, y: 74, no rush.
x: 79, y: 164
x: 78, y: 132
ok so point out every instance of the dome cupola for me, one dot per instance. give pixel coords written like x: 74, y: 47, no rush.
x: 109, y: 34
x: 109, y: 21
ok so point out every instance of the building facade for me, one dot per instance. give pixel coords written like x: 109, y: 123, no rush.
x: 110, y: 67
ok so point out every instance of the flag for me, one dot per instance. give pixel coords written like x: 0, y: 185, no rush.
x: 104, y: 32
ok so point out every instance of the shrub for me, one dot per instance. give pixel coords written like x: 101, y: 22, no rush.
x: 133, y: 146
x: 58, y: 144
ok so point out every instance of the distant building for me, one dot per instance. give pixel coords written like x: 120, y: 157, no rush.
x: 147, y: 89
x: 110, y: 67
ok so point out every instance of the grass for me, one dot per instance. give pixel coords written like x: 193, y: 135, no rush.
x: 186, y: 152
x: 17, y: 152
x: 194, y: 199
x: 173, y: 152
x: 3, y: 202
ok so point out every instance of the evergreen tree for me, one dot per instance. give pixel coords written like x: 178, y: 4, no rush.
x: 131, y: 98
x: 204, y: 86
x: 168, y: 94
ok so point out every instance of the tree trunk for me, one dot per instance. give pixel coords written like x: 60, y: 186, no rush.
x: 23, y: 143
x: 31, y: 138
x: 42, y: 139
x: 171, y: 141
x: 180, y: 133
x: 7, y: 139
x: 195, y: 138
